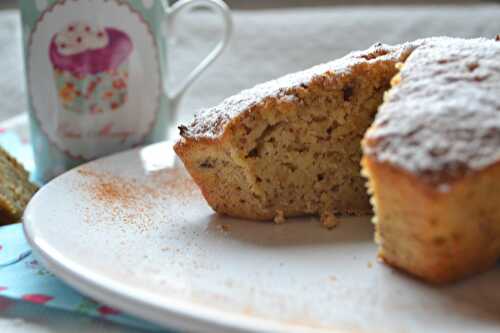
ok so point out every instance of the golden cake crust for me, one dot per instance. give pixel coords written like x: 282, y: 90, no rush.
x: 438, y: 236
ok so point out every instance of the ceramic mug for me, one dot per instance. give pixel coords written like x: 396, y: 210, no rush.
x: 96, y: 76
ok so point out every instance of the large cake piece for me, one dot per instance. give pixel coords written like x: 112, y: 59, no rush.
x: 292, y: 147
x: 432, y: 159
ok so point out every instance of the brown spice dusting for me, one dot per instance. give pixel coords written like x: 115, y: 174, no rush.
x: 168, y: 179
x: 127, y: 200
x: 114, y: 191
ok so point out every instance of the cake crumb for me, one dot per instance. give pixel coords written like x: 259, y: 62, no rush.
x: 333, y: 278
x: 497, y: 38
x: 329, y: 221
x: 279, y: 218
x: 370, y: 264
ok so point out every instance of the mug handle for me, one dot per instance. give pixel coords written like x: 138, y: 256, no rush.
x: 220, y: 7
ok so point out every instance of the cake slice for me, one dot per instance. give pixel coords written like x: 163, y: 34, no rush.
x: 15, y: 189
x: 291, y: 146
x: 432, y: 158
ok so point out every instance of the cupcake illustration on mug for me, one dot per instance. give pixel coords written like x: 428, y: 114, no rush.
x: 90, y: 67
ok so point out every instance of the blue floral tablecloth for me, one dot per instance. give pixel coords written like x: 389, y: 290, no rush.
x: 22, y: 278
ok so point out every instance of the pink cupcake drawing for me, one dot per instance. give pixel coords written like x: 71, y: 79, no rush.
x: 90, y: 68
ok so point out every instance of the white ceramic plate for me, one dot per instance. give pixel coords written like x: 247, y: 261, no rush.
x: 132, y: 230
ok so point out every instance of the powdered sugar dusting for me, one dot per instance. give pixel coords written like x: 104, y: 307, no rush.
x: 443, y: 119
x: 210, y: 123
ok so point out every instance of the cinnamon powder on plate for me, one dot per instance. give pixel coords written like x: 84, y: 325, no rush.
x: 126, y: 199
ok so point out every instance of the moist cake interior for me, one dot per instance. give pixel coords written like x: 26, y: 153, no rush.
x: 305, y: 157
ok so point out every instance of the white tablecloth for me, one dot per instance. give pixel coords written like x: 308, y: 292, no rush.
x: 265, y: 44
